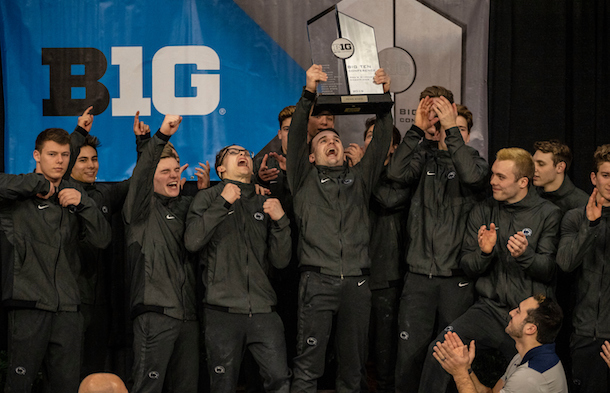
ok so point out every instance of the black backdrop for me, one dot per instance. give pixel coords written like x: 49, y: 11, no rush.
x: 549, y: 77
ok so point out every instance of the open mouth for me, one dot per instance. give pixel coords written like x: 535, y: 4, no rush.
x: 173, y: 184
x: 331, y: 152
x: 242, y: 162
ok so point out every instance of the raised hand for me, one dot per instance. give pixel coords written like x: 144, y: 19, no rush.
x: 265, y: 173
x: 139, y: 128
x: 273, y: 207
x: 69, y: 196
x: 183, y: 179
x: 446, y: 112
x: 454, y: 341
x: 86, y: 120
x: 203, y: 175
x: 487, y: 238
x: 354, y: 154
x: 594, y: 206
x: 231, y: 193
x: 280, y: 159
x: 517, y: 244
x: 381, y: 78
x: 314, y: 75
x: 453, y: 359
x: 422, y: 115
x: 170, y: 124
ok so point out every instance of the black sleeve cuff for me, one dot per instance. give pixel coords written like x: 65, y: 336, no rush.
x: 419, y: 131
x: 227, y: 205
x: 282, y: 222
x: 595, y: 223
x: 452, y: 130
x: 81, y: 131
x: 261, y: 181
x: 309, y: 95
x: 76, y: 209
x: 162, y: 136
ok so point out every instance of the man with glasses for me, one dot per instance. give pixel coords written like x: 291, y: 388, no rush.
x: 239, y: 235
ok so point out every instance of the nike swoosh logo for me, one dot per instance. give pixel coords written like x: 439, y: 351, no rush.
x: 361, y: 282
x: 430, y: 173
x: 463, y: 284
x: 324, y: 180
x: 170, y: 217
x: 42, y: 207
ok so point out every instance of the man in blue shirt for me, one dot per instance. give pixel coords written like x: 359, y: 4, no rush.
x: 534, y: 324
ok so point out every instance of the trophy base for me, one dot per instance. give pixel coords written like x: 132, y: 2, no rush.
x: 353, y: 104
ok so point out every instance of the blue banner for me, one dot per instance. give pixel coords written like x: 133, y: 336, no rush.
x: 205, y: 60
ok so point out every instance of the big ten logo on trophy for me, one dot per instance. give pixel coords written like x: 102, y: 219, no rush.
x: 75, y: 75
x: 342, y: 48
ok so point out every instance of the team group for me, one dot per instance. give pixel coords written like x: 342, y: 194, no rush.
x: 394, y: 246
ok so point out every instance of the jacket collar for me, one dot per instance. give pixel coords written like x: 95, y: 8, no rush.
x: 166, y: 200
x: 86, y: 186
x: 247, y: 189
x: 531, y: 199
x: 332, y: 171
x: 544, y: 349
x: 566, y: 188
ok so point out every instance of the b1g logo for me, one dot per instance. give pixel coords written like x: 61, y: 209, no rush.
x: 82, y: 68
x: 342, y: 48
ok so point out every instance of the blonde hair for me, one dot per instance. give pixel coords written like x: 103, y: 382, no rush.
x: 169, y: 151
x: 524, y: 163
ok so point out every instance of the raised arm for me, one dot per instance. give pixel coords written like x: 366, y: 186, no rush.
x: 142, y: 132
x: 141, y: 187
x: 472, y: 169
x: 373, y: 160
x: 77, y: 138
x: 115, y: 194
x: 408, y: 160
x: 297, y: 164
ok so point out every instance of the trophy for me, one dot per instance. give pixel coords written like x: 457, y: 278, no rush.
x: 347, y: 51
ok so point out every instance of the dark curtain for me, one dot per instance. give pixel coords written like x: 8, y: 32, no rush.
x: 549, y: 77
